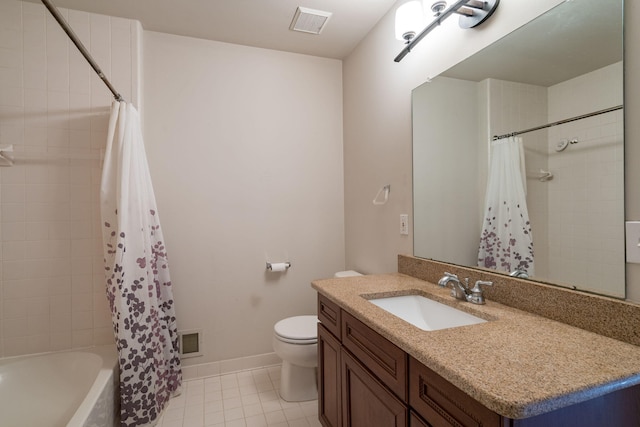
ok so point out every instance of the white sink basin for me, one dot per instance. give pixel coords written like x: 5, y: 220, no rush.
x: 425, y: 313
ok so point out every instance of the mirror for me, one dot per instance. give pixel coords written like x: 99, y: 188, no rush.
x: 565, y: 64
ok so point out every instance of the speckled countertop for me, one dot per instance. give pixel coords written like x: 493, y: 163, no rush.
x: 517, y: 364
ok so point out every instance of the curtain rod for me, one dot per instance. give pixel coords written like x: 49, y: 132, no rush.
x: 83, y: 50
x: 559, y: 122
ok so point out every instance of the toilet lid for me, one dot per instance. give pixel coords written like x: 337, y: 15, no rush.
x: 298, y: 328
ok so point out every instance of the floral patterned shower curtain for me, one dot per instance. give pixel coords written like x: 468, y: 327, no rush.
x: 137, y: 275
x: 506, y: 242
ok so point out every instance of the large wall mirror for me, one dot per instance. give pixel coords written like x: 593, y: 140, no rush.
x: 566, y: 64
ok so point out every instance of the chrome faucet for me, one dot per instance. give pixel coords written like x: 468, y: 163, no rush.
x: 520, y: 273
x: 458, y: 290
x: 461, y: 291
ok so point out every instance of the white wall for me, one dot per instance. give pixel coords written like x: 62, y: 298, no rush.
x: 245, y: 151
x: 444, y: 127
x: 55, y: 111
x: 377, y: 117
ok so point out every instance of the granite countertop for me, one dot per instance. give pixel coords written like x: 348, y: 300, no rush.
x: 517, y: 364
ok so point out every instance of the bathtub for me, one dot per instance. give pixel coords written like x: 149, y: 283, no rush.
x: 72, y: 388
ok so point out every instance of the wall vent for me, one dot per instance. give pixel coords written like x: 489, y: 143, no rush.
x: 309, y: 20
x: 190, y: 343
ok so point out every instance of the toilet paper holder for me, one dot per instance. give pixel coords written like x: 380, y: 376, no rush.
x: 278, y: 266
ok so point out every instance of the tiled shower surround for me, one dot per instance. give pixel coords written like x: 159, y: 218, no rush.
x: 54, y: 110
x: 576, y: 216
x: 586, y: 236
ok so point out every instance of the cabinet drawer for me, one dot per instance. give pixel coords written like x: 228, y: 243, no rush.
x: 379, y: 355
x: 365, y: 401
x: 329, y: 314
x: 442, y: 404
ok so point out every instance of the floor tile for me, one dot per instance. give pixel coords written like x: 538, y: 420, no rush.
x: 242, y: 399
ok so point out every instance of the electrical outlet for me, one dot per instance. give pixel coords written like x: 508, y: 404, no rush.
x: 404, y: 224
x: 633, y: 241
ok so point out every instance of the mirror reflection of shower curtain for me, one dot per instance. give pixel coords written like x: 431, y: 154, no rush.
x: 506, y: 241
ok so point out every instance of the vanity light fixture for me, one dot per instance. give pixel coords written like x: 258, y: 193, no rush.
x: 411, y: 17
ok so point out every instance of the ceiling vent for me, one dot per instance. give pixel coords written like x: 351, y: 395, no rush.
x: 309, y: 20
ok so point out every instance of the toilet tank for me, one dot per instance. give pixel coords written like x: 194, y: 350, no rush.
x: 348, y: 273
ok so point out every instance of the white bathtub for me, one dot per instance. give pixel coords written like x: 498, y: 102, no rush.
x: 71, y: 388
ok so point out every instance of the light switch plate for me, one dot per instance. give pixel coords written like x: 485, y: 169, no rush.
x: 632, y: 238
x: 404, y: 224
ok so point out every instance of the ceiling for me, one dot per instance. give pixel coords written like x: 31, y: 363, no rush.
x: 259, y: 23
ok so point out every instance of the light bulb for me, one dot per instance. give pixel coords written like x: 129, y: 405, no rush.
x: 409, y: 20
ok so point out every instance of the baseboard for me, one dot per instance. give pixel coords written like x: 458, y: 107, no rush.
x: 228, y: 366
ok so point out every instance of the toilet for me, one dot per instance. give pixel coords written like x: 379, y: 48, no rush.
x: 295, y: 341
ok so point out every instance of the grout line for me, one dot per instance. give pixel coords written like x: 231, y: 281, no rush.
x: 247, y: 398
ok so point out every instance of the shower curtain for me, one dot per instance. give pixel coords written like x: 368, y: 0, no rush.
x: 506, y: 242
x: 137, y: 275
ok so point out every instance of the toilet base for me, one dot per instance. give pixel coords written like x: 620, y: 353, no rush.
x: 297, y: 383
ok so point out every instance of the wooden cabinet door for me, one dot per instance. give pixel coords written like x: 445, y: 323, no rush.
x: 329, y: 384
x: 416, y: 421
x: 365, y: 401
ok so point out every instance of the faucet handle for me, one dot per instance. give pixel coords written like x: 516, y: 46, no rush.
x: 477, y: 288
x: 477, y: 297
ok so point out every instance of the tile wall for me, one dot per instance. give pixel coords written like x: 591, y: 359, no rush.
x: 54, y: 111
x: 586, y: 232
x: 578, y: 217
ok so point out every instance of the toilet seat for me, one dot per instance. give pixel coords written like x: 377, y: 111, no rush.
x: 297, y: 330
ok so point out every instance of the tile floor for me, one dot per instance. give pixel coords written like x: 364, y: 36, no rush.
x: 242, y: 399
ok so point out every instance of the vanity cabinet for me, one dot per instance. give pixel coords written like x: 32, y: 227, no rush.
x: 442, y: 404
x: 384, y: 359
x: 367, y: 381
x: 362, y: 376
x: 329, y: 378
x: 366, y: 402
x: 416, y: 421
